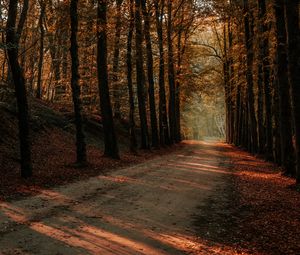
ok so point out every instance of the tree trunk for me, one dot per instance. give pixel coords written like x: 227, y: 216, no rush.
x: 237, y: 117
x: 230, y: 80
x: 140, y: 76
x: 163, y: 116
x: 80, y: 137
x: 276, y: 128
x: 116, y: 55
x: 248, y: 26
x: 287, y: 151
x: 292, y: 21
x: 41, y: 51
x: 171, y: 75
x: 227, y: 88
x: 22, y: 20
x: 110, y: 140
x: 133, y: 140
x: 151, y: 91
x: 264, y: 55
x: 180, y: 51
x: 20, y: 89
x: 264, y: 59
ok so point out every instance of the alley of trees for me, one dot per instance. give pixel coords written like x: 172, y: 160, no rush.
x: 168, y: 68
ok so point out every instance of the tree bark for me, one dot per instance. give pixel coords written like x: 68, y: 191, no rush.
x: 287, y: 151
x: 80, y: 137
x: 110, y: 140
x: 227, y: 89
x: 140, y: 76
x: 163, y: 115
x: 276, y: 128
x: 41, y: 51
x: 171, y: 74
x: 20, y: 89
x: 151, y: 91
x: 248, y: 27
x: 177, y: 89
x: 264, y: 59
x: 22, y: 20
x: 133, y: 140
x: 292, y: 22
x: 116, y: 56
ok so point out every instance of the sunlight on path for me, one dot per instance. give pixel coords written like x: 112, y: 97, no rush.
x: 146, y: 209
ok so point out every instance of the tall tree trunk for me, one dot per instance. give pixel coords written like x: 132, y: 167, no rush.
x: 151, y: 91
x: 276, y: 127
x: 287, y: 151
x: 177, y: 89
x: 248, y: 26
x: 133, y: 140
x: 264, y: 59
x: 227, y: 87
x: 140, y: 76
x: 41, y: 51
x: 292, y: 21
x: 80, y: 137
x: 22, y: 20
x: 110, y: 140
x: 20, y: 89
x: 163, y: 116
x: 237, y: 117
x: 246, y: 123
x: 171, y: 74
x: 230, y: 67
x: 116, y: 56
x: 260, y: 93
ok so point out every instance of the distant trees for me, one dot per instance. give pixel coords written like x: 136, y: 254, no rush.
x: 119, y: 55
x: 266, y: 111
x: 129, y: 53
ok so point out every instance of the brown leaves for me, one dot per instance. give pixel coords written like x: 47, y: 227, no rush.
x: 53, y: 164
x: 272, y: 221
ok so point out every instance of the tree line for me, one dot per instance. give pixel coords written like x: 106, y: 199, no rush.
x: 92, y: 53
x: 262, y: 78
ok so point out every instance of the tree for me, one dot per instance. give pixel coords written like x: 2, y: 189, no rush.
x: 153, y: 118
x: 116, y: 55
x: 140, y: 76
x: 292, y: 25
x: 18, y: 78
x: 80, y: 137
x: 41, y: 51
x: 248, y: 26
x: 110, y: 140
x: 163, y: 117
x: 287, y: 152
x: 171, y: 74
x: 133, y: 141
x: 264, y: 61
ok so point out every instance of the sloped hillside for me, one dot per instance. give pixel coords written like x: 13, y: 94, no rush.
x: 53, y: 147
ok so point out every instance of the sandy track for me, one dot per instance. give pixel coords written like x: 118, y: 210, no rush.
x: 146, y: 209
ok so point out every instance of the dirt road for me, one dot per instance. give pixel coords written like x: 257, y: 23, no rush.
x: 146, y: 209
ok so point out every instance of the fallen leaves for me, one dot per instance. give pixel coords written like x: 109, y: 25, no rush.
x: 54, y: 154
x: 271, y: 221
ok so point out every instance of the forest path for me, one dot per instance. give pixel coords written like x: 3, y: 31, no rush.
x: 147, y: 209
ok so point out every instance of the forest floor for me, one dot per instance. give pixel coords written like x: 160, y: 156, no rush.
x: 54, y: 149
x: 205, y: 198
